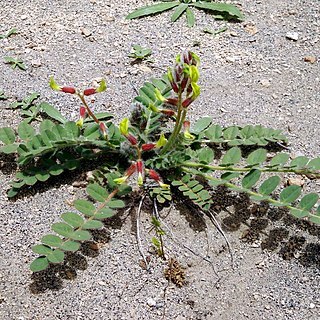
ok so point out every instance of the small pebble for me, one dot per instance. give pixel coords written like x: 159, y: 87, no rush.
x: 151, y: 302
x: 292, y: 35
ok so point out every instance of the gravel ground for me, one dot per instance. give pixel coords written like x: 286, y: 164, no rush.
x: 255, y: 73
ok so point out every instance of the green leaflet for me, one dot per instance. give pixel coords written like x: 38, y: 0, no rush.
x: 182, y: 7
x: 220, y: 8
x: 153, y: 9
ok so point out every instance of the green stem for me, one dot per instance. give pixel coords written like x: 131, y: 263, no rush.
x: 235, y: 169
x: 177, y: 127
x: 90, y: 113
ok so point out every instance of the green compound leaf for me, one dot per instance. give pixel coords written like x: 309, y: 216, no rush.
x: 182, y: 7
x: 51, y: 240
x: 93, y: 224
x: 85, y: 207
x: 62, y: 228
x: 290, y: 194
x: 39, y: 264
x: 96, y: 192
x: 257, y: 157
x: 269, y: 185
x: 73, y: 219
x: 232, y: 156
x: 153, y: 9
x: 7, y: 135
x: 308, y: 201
x: 251, y: 179
x: 70, y: 246
x: 52, y: 112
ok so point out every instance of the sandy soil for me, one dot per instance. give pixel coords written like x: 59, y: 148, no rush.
x: 252, y: 73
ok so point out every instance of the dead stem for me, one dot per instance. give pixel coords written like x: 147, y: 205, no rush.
x: 138, y: 234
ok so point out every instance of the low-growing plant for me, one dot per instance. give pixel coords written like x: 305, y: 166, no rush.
x: 8, y: 33
x: 156, y: 150
x: 139, y: 53
x: 15, y: 62
x: 219, y: 10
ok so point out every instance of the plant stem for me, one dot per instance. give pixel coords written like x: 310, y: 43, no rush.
x: 179, y: 120
x: 96, y: 120
x: 235, y: 169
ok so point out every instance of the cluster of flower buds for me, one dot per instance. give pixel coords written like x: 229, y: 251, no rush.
x: 141, y: 170
x: 183, y: 78
x: 87, y: 92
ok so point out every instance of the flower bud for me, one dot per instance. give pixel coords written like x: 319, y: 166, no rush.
x: 168, y: 112
x: 120, y: 180
x: 133, y: 140
x: 172, y: 101
x: 131, y: 170
x: 187, y: 102
x: 89, y: 92
x: 140, y: 172
x: 103, y: 129
x: 83, y: 112
x: 148, y: 146
x: 153, y: 108
x: 68, y: 90
x: 154, y: 175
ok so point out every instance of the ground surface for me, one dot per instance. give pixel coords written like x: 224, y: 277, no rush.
x: 252, y: 73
